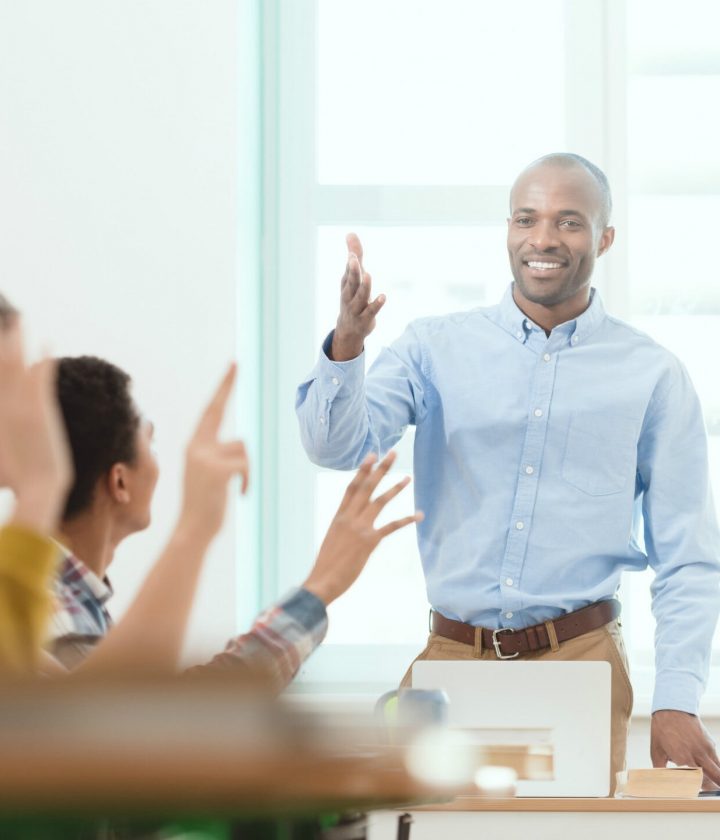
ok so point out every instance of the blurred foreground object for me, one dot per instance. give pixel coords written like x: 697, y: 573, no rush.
x: 195, y: 745
x: 35, y: 465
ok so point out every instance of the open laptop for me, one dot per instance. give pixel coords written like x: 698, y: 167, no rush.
x: 564, y: 703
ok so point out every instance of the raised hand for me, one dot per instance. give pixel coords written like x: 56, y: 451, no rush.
x: 35, y: 459
x: 357, y: 312
x: 150, y: 633
x: 352, y: 535
x: 210, y: 464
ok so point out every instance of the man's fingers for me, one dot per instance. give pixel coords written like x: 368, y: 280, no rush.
x: 354, y: 246
x: 212, y: 417
x: 711, y: 768
x: 658, y: 756
x: 361, y: 298
x: 373, y: 308
x: 400, y: 523
x: 350, y: 280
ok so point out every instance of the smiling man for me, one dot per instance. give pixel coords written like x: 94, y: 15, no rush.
x: 555, y: 448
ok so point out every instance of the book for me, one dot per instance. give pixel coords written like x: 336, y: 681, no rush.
x: 660, y: 783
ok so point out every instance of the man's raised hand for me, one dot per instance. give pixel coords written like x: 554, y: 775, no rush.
x: 357, y: 312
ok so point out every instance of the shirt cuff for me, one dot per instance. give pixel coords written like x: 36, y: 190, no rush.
x: 332, y: 376
x: 677, y: 691
x: 307, y: 610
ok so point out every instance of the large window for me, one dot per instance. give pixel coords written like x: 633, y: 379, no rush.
x: 406, y: 121
x: 672, y: 190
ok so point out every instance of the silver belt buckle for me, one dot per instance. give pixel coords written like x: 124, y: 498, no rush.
x: 496, y: 643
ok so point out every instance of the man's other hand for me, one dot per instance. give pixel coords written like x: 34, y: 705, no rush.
x: 681, y: 738
x: 357, y: 312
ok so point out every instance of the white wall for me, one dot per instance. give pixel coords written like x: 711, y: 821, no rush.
x: 118, y: 218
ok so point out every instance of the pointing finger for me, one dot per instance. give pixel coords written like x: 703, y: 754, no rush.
x: 354, y: 246
x: 212, y: 417
x: 352, y: 278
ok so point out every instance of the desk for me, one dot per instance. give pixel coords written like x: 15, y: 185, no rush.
x: 471, y: 818
x: 76, y: 750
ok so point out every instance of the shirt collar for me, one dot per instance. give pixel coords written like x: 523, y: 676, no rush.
x: 76, y: 574
x: 514, y: 320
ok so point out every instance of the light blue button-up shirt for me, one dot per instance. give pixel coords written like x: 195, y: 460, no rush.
x: 545, y: 467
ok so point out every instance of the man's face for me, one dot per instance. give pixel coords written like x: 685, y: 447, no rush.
x: 555, y: 232
x: 140, y: 477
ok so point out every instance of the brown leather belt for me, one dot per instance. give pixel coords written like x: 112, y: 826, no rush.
x: 509, y: 643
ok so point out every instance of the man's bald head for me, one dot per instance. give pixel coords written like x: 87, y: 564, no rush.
x: 568, y: 160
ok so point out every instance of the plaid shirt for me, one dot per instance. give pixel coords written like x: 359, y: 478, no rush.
x: 80, y: 618
x: 280, y: 640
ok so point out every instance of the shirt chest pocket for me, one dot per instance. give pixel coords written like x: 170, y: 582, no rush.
x: 600, y: 453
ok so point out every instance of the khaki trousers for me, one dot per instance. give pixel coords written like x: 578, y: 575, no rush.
x: 604, y: 644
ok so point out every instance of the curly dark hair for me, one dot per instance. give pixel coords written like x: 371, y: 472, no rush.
x: 101, y: 422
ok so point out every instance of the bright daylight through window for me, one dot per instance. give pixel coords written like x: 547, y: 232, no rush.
x: 409, y: 127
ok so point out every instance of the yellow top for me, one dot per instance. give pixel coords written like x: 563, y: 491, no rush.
x: 27, y: 563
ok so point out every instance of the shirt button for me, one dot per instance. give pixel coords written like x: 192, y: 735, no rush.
x: 518, y: 334
x: 335, y: 380
x: 538, y: 412
x: 575, y: 339
x: 508, y: 581
x: 547, y: 357
x: 519, y: 525
x: 508, y: 615
x: 322, y: 421
x: 529, y: 470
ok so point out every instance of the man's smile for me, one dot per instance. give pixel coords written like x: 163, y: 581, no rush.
x: 543, y: 266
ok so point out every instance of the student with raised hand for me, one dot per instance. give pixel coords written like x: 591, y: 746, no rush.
x: 116, y: 473
x: 35, y: 465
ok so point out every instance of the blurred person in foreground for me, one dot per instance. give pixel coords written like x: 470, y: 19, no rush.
x: 35, y: 464
x: 115, y: 476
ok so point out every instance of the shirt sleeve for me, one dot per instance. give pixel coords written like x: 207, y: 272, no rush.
x: 280, y: 640
x: 27, y: 563
x: 682, y: 542
x: 344, y: 416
